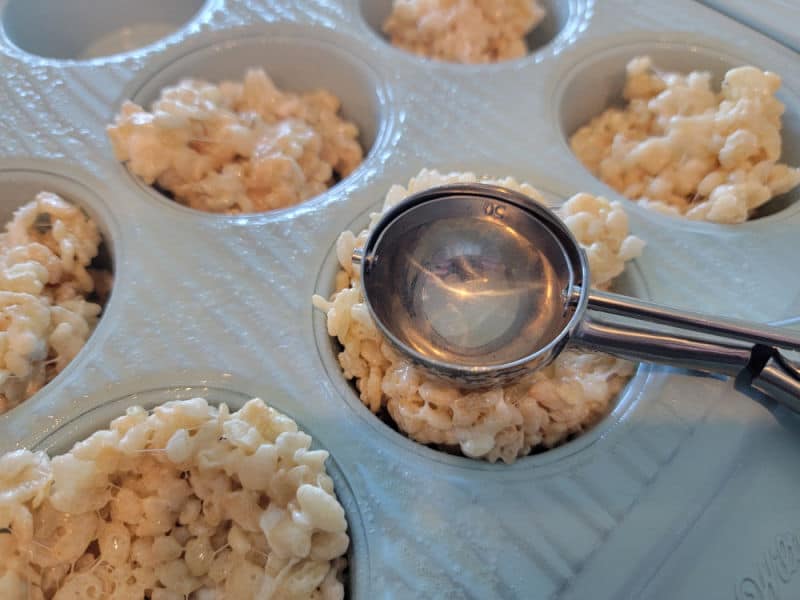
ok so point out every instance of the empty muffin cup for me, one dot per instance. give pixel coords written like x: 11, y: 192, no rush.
x: 81, y: 30
x: 493, y: 38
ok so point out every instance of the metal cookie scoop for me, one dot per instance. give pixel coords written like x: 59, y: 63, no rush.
x: 480, y: 285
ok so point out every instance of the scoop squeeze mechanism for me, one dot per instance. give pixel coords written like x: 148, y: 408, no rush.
x: 779, y: 379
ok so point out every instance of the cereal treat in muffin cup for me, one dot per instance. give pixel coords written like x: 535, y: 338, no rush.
x: 540, y: 411
x: 237, y: 147
x: 190, y: 501
x: 463, y: 31
x: 47, y: 293
x: 683, y: 149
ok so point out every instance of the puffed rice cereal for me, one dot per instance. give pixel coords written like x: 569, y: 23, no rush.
x: 46, y: 282
x: 237, y: 147
x: 463, y: 31
x: 680, y: 148
x: 540, y: 411
x: 188, y: 502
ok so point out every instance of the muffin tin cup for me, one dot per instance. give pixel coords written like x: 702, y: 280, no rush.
x: 77, y: 30
x: 62, y: 439
x: 631, y: 282
x: 594, y: 82
x: 80, y: 30
x: 643, y: 495
x: 562, y: 20
x: 20, y: 182
x: 297, y: 60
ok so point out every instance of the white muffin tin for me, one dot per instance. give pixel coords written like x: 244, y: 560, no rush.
x: 687, y: 489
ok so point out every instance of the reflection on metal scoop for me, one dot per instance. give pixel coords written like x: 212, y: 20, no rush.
x: 480, y: 284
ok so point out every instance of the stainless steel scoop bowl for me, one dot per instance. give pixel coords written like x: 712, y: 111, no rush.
x: 480, y: 284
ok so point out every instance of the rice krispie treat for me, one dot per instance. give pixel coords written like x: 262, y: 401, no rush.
x: 464, y: 31
x: 681, y: 148
x: 46, y: 283
x: 190, y: 501
x: 237, y: 147
x: 540, y: 411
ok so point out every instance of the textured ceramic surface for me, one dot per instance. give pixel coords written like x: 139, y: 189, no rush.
x: 777, y: 19
x: 687, y: 490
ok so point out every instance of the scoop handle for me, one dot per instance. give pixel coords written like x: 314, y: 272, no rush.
x: 755, y: 367
x: 645, y: 345
x: 730, y: 329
